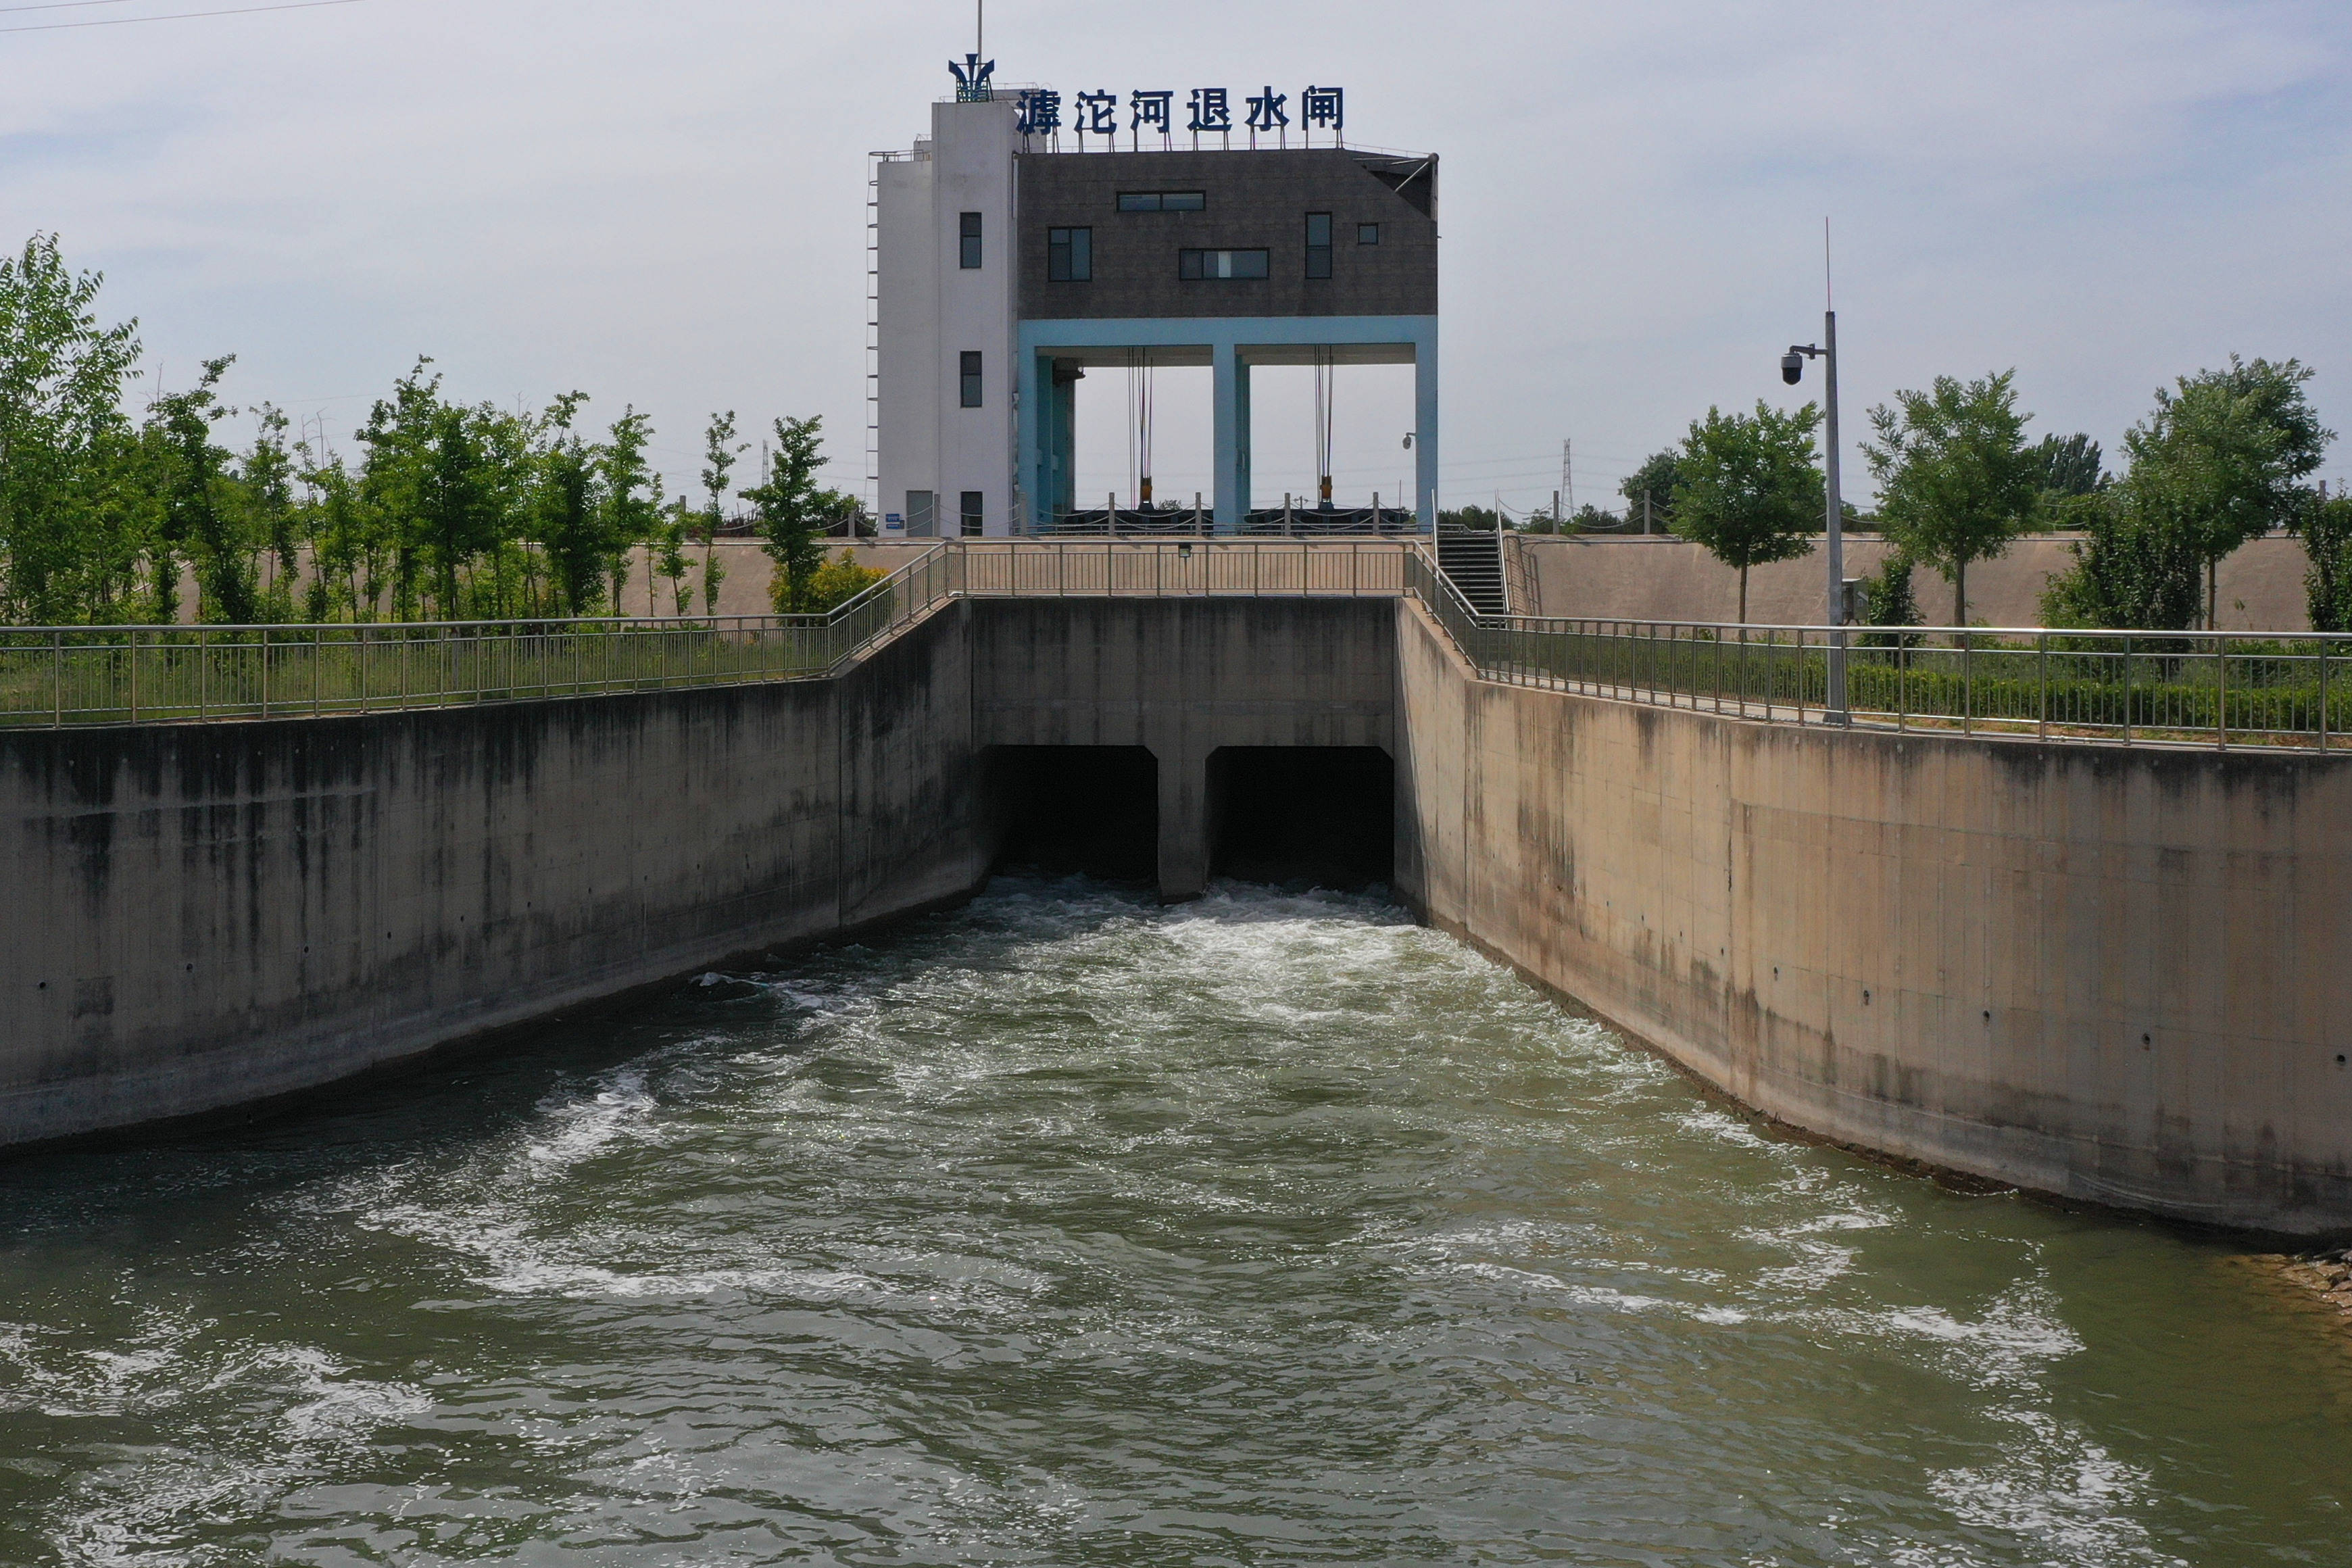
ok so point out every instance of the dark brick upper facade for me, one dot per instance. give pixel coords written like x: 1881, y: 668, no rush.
x: 1256, y: 200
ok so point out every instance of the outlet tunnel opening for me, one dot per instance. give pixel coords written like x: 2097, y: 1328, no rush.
x: 1076, y: 810
x: 1323, y: 815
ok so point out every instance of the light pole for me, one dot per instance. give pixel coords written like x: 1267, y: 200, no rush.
x: 1793, y: 371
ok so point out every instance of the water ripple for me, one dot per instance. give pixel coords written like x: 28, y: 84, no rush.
x: 1069, y: 1229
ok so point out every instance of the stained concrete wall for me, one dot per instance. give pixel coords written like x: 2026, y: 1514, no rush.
x: 2118, y: 975
x: 1183, y: 678
x: 206, y: 915
x: 2121, y: 975
x: 209, y: 915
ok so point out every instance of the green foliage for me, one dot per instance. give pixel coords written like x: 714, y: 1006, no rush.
x: 1888, y: 601
x: 2328, y: 586
x: 570, y: 517
x: 2067, y: 466
x: 2131, y: 571
x: 1748, y: 488
x: 2223, y: 459
x: 670, y: 552
x: 1477, y: 519
x: 793, y: 510
x: 1660, y: 474
x: 1955, y: 482
x: 200, y: 510
x: 632, y: 497
x: 719, y: 451
x: 72, y: 526
x: 446, y: 509
x: 838, y: 581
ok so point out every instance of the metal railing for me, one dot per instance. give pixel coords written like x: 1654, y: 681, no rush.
x: 1181, y: 568
x: 2135, y: 687
x: 2210, y: 688
x: 58, y: 677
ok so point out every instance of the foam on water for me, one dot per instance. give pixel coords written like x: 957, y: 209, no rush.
x: 1067, y: 1228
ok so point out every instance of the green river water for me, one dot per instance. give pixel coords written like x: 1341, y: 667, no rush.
x: 1069, y: 1229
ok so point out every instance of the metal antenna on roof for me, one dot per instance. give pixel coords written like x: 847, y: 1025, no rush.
x: 979, y: 27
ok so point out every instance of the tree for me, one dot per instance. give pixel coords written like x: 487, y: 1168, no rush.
x: 201, y: 510
x: 1888, y: 601
x: 630, y: 519
x: 1955, y: 481
x: 64, y: 446
x: 339, y: 540
x: 840, y: 580
x: 1476, y: 519
x: 570, y: 515
x: 2223, y: 459
x: 672, y: 553
x: 720, y: 451
x: 2131, y: 572
x: 793, y: 510
x: 2067, y: 466
x: 2328, y: 586
x: 267, y: 480
x: 1747, y: 488
x: 1649, y: 492
x: 457, y: 514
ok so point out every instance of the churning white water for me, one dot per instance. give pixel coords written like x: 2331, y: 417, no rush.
x: 1069, y: 1229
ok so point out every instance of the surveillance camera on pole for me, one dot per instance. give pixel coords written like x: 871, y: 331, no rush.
x: 1793, y: 371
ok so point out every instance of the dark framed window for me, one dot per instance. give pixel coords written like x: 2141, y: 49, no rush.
x: 1368, y: 234
x: 1069, y: 255
x: 970, y: 369
x: 1209, y: 265
x: 967, y: 235
x: 975, y: 520
x: 1164, y: 201
x: 1318, y: 245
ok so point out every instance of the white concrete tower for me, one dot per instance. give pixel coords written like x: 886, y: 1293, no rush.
x: 945, y: 291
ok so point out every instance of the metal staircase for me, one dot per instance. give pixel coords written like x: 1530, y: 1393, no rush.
x: 1473, y: 561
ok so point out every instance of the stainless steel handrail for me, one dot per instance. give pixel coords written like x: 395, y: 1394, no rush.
x: 2131, y: 687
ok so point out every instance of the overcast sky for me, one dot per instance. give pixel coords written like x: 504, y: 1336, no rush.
x: 664, y: 203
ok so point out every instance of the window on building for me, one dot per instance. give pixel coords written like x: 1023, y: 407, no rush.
x: 1368, y: 234
x: 922, y: 514
x: 975, y: 521
x: 968, y: 228
x: 1164, y: 201
x: 1220, y: 264
x: 1069, y: 255
x: 972, y: 387
x: 1318, y: 245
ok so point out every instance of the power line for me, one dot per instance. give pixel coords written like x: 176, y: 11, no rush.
x: 175, y: 16
x: 65, y: 6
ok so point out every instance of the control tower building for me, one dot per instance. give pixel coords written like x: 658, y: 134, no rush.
x: 1011, y: 257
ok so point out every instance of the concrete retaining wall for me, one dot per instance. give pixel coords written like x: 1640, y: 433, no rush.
x: 2118, y: 975
x: 1183, y: 678
x: 204, y: 915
